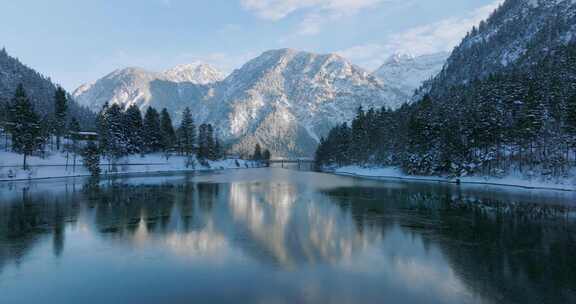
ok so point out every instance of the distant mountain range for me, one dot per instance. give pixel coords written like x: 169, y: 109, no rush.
x: 407, y: 73
x: 176, y: 88
x: 284, y: 99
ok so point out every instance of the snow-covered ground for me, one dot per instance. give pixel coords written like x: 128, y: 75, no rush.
x: 516, y: 180
x: 54, y: 166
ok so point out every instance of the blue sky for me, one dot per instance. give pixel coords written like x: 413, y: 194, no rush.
x: 78, y: 41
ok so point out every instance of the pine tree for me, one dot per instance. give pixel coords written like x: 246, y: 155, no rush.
x: 74, y: 125
x: 210, y: 143
x: 257, y: 156
x: 60, y: 109
x: 3, y: 112
x: 321, y: 154
x: 187, y: 133
x: 570, y: 123
x: 203, y: 143
x: 25, y: 125
x: 168, y: 136
x: 218, y: 149
x: 266, y: 156
x: 570, y: 120
x: 91, y: 158
x: 102, y: 127
x: 46, y: 131
x: 532, y: 116
x: 342, y: 139
x: 4, y: 122
x: 74, y: 129
x: 134, y: 132
x: 151, y: 131
x: 113, y: 123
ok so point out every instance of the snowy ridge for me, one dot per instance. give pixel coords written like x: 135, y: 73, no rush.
x: 197, y: 73
x: 284, y: 99
x: 124, y: 87
x: 407, y: 72
x: 136, y: 86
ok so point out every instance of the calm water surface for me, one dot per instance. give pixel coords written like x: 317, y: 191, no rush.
x: 283, y: 236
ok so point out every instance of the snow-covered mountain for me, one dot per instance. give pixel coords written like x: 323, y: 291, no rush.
x: 39, y: 88
x: 520, y: 34
x: 182, y: 86
x: 284, y: 99
x: 197, y: 73
x: 407, y: 73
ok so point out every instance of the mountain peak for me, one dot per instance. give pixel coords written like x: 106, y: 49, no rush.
x: 196, y: 72
x: 129, y: 72
x: 399, y: 58
x: 407, y: 72
x: 284, y: 51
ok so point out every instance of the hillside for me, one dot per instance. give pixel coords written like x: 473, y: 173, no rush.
x: 488, y: 112
x: 39, y: 88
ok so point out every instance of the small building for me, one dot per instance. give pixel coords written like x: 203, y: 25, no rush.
x: 83, y: 136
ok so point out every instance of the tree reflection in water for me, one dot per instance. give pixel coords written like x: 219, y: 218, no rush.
x: 354, y: 241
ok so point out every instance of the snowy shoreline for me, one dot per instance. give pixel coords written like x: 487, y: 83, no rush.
x: 509, y: 181
x: 127, y: 174
x: 55, y: 167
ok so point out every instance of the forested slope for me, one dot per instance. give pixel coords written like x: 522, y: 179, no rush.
x: 482, y: 114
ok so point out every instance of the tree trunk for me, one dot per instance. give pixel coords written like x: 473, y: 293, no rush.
x: 24, y: 162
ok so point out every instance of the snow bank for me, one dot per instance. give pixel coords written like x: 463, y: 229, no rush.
x: 514, y: 179
x: 54, y: 166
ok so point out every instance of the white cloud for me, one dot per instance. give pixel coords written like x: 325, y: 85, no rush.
x: 316, y: 12
x: 279, y: 9
x: 436, y: 37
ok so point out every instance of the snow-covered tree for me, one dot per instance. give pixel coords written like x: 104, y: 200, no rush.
x: 257, y: 156
x: 168, y: 136
x: 116, y: 144
x: 134, y: 129
x: 187, y: 133
x: 205, y: 141
x: 24, y: 125
x: 151, y: 131
x: 60, y: 111
x: 91, y: 157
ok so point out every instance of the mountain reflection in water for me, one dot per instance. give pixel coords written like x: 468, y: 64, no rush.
x: 273, y: 235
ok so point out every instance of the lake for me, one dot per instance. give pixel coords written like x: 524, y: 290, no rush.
x: 283, y: 236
